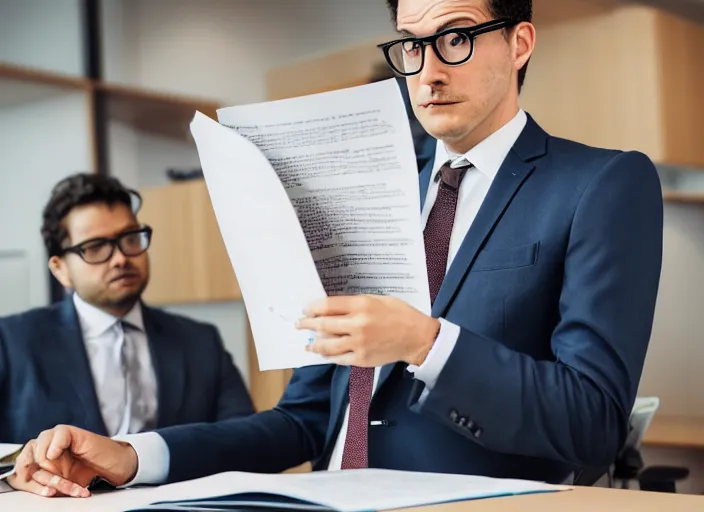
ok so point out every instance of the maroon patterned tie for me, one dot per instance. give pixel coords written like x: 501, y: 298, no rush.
x: 437, y: 243
x: 438, y: 228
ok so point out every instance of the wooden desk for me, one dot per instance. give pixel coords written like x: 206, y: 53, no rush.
x: 675, y: 432
x: 580, y: 499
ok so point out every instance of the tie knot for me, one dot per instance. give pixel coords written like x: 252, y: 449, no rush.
x: 452, y: 177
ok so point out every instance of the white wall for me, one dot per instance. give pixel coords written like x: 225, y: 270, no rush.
x: 40, y: 143
x: 222, y: 49
x: 673, y: 369
x: 43, y: 34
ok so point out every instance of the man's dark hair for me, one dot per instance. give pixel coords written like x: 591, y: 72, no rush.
x: 77, y: 190
x: 516, y: 10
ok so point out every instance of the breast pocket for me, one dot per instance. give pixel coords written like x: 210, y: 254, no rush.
x: 501, y: 259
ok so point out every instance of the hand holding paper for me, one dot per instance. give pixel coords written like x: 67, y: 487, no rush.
x: 370, y: 331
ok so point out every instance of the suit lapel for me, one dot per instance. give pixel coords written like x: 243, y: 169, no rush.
x: 424, y: 181
x: 71, y: 349
x: 515, y: 170
x: 169, y: 368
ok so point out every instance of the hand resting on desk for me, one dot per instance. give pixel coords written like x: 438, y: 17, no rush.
x: 64, y: 460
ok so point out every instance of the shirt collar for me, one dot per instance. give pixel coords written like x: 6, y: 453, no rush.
x: 94, y: 322
x: 489, y: 154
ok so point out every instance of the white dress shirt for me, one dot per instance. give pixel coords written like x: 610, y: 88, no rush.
x: 104, y: 338
x: 487, y: 157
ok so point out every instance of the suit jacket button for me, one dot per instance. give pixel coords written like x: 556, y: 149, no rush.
x: 477, y: 432
x: 454, y: 415
x: 462, y: 421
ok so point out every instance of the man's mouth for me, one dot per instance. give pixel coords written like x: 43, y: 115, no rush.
x: 438, y: 103
x: 124, y: 277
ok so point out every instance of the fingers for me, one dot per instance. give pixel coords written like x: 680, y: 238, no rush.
x: 57, y: 442
x: 327, y: 325
x: 41, y: 445
x: 31, y: 486
x: 336, y: 305
x: 348, y: 359
x: 59, y: 484
x: 25, y: 465
x: 331, y: 346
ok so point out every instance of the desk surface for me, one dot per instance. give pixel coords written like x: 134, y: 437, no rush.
x: 675, y: 432
x: 579, y: 499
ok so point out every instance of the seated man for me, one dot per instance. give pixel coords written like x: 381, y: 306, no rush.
x: 101, y: 359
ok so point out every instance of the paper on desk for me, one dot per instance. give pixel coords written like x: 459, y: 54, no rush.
x: 5, y: 451
x: 315, y: 195
x: 7, y: 464
x: 355, y: 490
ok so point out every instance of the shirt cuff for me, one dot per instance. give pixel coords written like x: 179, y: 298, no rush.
x: 435, y: 361
x: 153, y: 458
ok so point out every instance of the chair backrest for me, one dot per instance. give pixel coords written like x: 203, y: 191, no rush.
x: 642, y: 414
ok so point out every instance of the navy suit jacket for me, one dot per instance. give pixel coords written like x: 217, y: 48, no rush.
x: 554, y: 289
x: 45, y: 377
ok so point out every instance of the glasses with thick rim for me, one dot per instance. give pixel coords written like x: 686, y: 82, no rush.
x: 99, y: 250
x: 394, y: 51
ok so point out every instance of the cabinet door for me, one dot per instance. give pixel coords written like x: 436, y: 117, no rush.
x: 188, y: 259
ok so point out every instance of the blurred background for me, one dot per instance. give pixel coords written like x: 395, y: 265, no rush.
x: 110, y: 86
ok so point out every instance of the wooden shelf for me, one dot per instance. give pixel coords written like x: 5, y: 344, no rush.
x: 157, y: 113
x: 20, y: 84
x: 672, y: 196
x: 675, y: 432
x: 164, y: 114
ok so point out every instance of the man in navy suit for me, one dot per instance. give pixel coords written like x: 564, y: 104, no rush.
x: 101, y: 359
x: 544, y: 260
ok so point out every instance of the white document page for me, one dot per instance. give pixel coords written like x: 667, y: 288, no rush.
x: 347, y: 162
x: 348, y: 491
x: 338, y: 213
x: 264, y: 241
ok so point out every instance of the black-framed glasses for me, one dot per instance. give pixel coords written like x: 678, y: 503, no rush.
x: 453, y: 46
x: 99, y: 250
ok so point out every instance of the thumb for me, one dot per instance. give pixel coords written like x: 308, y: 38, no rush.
x: 62, y: 440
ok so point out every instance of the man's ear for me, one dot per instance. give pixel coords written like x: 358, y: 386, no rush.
x: 524, y: 43
x: 58, y: 268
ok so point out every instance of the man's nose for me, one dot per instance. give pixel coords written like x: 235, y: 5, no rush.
x: 434, y: 70
x: 118, y: 258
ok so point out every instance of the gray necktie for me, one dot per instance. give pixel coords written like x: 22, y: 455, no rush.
x: 133, y: 371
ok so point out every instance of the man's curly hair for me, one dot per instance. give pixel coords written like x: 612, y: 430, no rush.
x: 76, y: 190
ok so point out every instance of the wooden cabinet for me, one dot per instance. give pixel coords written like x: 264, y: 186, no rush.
x: 189, y: 262
x: 623, y: 77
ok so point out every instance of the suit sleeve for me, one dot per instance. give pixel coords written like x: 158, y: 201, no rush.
x: 268, y: 442
x: 574, y: 408
x: 233, y: 398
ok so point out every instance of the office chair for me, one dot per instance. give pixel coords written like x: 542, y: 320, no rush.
x: 629, y: 464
